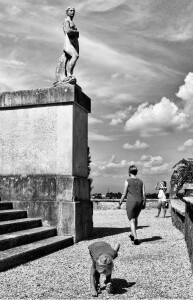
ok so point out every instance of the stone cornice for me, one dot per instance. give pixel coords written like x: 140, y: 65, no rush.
x: 60, y: 95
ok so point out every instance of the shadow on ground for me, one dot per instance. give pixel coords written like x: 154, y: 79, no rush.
x: 120, y: 286
x: 100, y: 232
x: 152, y: 239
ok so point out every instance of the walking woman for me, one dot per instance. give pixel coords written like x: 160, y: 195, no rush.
x: 134, y: 189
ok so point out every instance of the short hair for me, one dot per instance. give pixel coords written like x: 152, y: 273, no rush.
x: 105, y: 263
x: 68, y: 8
x: 133, y: 170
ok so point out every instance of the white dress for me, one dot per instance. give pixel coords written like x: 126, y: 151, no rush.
x: 161, y: 195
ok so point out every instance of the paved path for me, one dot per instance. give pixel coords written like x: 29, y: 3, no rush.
x: 158, y: 268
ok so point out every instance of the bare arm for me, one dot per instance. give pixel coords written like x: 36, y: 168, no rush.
x: 93, y: 281
x: 144, y: 195
x: 124, y: 194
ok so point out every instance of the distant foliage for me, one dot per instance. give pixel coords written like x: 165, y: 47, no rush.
x: 89, y: 170
x: 111, y: 195
x: 151, y: 196
x: 183, y: 173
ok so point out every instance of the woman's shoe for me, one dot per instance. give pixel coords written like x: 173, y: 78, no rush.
x: 98, y: 288
x: 136, y: 242
x: 131, y: 237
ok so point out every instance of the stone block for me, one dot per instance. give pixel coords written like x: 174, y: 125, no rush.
x: 44, y: 188
x: 44, y: 156
x: 59, y: 95
x: 189, y: 226
x: 41, y: 142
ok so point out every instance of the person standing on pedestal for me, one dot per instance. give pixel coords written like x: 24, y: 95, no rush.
x: 67, y: 62
x: 134, y: 189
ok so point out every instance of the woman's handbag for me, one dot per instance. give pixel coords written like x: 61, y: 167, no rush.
x: 143, y: 204
x: 167, y: 204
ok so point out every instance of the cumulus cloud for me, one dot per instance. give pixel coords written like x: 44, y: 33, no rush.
x: 162, y: 117
x: 148, y: 165
x: 115, y: 75
x: 186, y: 93
x: 154, y: 165
x: 93, y: 136
x: 138, y: 145
x: 186, y: 146
x: 92, y: 120
x: 14, y: 10
x: 116, y: 121
x: 186, y: 90
x: 164, y: 169
x: 119, y: 116
x: 165, y: 116
x: 151, y: 161
x: 111, y: 167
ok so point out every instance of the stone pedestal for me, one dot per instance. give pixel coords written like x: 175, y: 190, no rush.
x: 44, y: 156
x: 189, y: 226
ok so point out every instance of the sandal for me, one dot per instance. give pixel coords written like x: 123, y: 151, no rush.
x: 136, y: 242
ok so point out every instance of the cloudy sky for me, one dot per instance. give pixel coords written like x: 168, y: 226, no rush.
x: 136, y: 64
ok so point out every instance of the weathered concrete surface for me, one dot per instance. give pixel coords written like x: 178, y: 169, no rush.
x: 157, y: 269
x: 18, y: 255
x: 189, y: 226
x: 178, y: 214
x: 44, y: 187
x: 60, y: 95
x: 44, y: 140
x: 80, y: 142
x: 44, y: 156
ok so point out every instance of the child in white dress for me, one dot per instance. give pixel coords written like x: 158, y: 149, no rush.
x: 162, y: 202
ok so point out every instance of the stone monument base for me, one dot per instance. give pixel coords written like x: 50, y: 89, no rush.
x: 54, y: 200
x: 44, y: 157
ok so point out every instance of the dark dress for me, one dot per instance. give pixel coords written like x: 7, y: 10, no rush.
x: 134, y: 197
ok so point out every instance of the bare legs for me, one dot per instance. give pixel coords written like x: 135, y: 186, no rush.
x: 65, y: 67
x: 71, y: 64
x: 158, y: 213
x: 71, y: 59
x: 133, y: 226
x: 161, y: 205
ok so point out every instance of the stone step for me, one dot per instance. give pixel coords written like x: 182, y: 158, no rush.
x: 18, y: 255
x: 6, y: 205
x: 12, y: 214
x: 19, y: 224
x: 19, y: 238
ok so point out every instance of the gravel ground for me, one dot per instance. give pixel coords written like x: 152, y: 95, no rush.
x: 158, y: 268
